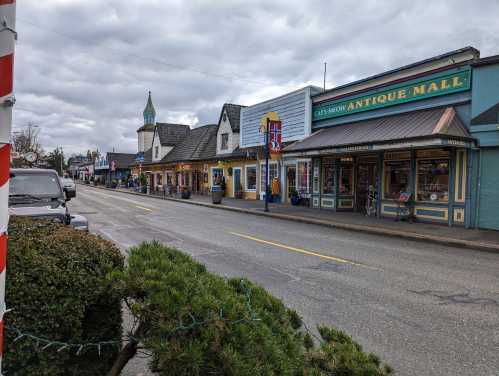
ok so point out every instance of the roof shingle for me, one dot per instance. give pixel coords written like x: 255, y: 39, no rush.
x: 171, y: 134
x: 199, y: 144
x: 234, y: 115
x: 123, y: 160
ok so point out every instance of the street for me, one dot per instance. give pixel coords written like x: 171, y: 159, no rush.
x: 424, y: 309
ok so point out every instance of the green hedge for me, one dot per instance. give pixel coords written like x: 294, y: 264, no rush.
x: 196, y: 323
x: 58, y: 289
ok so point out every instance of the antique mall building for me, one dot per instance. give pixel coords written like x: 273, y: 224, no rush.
x: 429, y: 129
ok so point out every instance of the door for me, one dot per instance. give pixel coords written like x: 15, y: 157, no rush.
x: 290, y: 182
x: 489, y: 190
x: 237, y: 186
x: 366, y: 179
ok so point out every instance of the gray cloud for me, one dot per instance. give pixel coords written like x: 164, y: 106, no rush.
x: 83, y: 68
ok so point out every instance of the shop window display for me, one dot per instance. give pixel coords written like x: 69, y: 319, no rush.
x: 303, y: 177
x: 250, y: 178
x: 396, y: 178
x: 346, y: 180
x: 273, y: 173
x: 328, y: 184
x: 433, y: 180
x: 217, y: 176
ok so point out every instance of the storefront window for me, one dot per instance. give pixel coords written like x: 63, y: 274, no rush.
x: 346, y: 180
x: 169, y: 178
x: 396, y: 178
x: 250, y: 179
x: 433, y: 180
x: 303, y: 177
x: 273, y: 173
x: 328, y: 183
x: 216, y: 176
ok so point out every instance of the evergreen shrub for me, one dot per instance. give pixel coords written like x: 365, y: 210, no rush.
x: 196, y: 323
x: 58, y: 289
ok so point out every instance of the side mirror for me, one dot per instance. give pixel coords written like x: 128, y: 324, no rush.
x: 70, y: 193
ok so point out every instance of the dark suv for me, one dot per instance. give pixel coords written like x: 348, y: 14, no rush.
x: 38, y: 193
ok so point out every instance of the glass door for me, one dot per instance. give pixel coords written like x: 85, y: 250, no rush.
x: 366, y: 180
x: 290, y: 182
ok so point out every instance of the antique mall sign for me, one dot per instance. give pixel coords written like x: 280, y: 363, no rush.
x: 396, y: 94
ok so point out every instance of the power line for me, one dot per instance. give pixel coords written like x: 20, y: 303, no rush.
x: 154, y: 60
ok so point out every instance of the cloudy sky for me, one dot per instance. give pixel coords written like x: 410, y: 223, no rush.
x: 84, y: 67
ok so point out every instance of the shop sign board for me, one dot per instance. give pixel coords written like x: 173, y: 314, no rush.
x: 397, y: 94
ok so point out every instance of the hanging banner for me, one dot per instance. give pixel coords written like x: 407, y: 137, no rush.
x: 275, y: 139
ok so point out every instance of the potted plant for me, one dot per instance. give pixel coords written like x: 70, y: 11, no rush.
x: 230, y: 170
x: 114, y: 183
x: 295, y: 198
x: 185, y: 193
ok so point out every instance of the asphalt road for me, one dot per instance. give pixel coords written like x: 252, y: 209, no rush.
x: 425, y: 309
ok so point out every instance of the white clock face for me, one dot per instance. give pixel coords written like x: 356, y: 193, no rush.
x: 30, y: 157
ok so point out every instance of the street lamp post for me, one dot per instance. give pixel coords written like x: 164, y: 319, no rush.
x: 267, y: 153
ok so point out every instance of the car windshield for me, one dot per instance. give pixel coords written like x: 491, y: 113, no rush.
x: 34, y: 185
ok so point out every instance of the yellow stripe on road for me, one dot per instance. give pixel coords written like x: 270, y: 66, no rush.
x: 141, y: 207
x: 300, y: 250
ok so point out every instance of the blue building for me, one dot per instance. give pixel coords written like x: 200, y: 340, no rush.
x: 429, y: 130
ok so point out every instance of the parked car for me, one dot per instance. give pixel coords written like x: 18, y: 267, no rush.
x: 39, y: 193
x: 68, y: 185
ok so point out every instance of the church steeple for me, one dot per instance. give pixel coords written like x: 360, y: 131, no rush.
x: 149, y: 112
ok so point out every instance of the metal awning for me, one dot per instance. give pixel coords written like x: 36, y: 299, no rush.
x: 434, y: 127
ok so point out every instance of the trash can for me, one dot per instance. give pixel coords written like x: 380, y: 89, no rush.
x: 216, y: 194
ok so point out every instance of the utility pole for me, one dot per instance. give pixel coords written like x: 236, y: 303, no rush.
x: 325, y: 71
x: 8, y: 37
x: 62, y: 161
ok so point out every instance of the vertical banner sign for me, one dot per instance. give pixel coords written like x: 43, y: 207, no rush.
x: 275, y: 136
x: 7, y: 42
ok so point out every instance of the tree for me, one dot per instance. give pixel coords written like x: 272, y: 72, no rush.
x: 25, y: 141
x: 55, y: 160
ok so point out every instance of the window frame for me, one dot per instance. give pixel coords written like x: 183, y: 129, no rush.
x: 383, y: 185
x: 262, y: 172
x: 448, y: 159
x: 333, y: 164
x: 309, y: 171
x: 246, y: 189
x: 213, y: 175
x: 156, y: 152
x: 222, y: 136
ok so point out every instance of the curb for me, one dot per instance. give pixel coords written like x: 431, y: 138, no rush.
x: 442, y: 240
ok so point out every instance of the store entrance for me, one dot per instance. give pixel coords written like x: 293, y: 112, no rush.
x: 290, y: 182
x: 366, y: 179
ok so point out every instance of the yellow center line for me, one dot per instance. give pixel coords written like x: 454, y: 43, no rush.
x: 143, y: 208
x: 302, y: 251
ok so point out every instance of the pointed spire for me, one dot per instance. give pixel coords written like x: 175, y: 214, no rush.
x: 149, y: 112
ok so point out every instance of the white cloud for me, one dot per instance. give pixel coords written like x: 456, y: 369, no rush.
x: 83, y: 68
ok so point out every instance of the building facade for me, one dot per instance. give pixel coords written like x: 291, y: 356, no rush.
x: 294, y: 111
x: 410, y: 133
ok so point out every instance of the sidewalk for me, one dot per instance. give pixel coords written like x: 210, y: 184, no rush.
x: 440, y: 234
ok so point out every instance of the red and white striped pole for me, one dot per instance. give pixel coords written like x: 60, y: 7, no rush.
x: 7, y: 43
